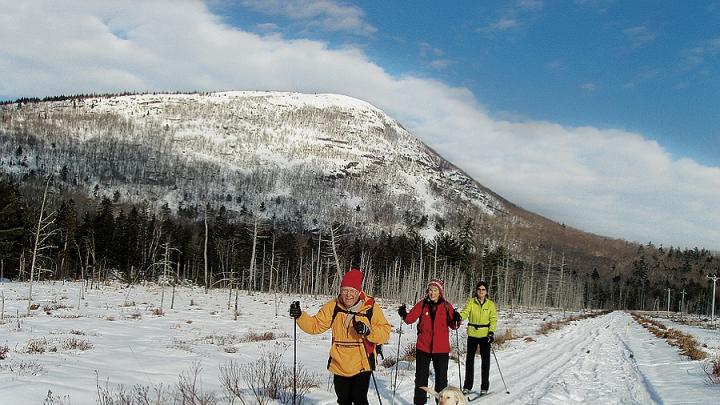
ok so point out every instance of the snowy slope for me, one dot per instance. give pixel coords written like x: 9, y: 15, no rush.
x: 297, y: 153
x: 608, y: 359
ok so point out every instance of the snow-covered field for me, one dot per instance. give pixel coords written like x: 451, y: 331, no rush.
x: 116, y: 338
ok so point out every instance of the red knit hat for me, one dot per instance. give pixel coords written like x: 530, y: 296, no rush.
x: 437, y: 282
x: 352, y: 278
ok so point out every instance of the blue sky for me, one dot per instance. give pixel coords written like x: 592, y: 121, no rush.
x: 599, y: 114
x: 645, y: 66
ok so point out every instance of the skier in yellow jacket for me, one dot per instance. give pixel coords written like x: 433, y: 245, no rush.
x: 481, y: 314
x: 358, y: 326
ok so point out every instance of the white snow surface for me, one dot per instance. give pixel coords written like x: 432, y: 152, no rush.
x: 609, y: 359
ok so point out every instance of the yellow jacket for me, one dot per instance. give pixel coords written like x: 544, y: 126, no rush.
x: 348, y: 354
x: 482, y: 318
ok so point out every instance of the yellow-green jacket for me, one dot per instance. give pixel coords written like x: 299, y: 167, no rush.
x: 482, y: 318
x: 348, y: 350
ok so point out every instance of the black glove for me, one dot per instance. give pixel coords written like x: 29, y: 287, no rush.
x: 361, y: 329
x: 456, y: 316
x: 491, y: 337
x: 402, y: 311
x: 295, y: 309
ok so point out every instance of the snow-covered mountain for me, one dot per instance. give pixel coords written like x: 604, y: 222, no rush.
x: 303, y: 158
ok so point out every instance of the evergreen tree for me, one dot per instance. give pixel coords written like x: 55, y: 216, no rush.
x: 13, y: 225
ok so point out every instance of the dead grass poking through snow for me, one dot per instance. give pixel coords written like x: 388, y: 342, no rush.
x: 74, y: 343
x: 269, y: 379
x: 258, y: 337
x: 23, y: 367
x: 686, y: 343
x: 715, y: 370
x: 548, y: 327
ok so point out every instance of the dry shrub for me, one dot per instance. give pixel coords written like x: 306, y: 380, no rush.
x: 258, y: 337
x: 158, y: 312
x: 220, y: 340
x: 34, y: 306
x: 268, y: 379
x: 138, y: 394
x: 134, y: 315
x: 715, y: 370
x: 4, y: 352
x: 686, y: 343
x: 186, y: 392
x: 23, y: 367
x: 53, y: 399
x: 52, y: 307
x: 389, y: 362
x: 180, y: 345
x: 501, y: 339
x: 76, y: 344
x: 67, y: 316
x: 77, y: 332
x: 36, y: 346
x: 548, y: 327
x: 528, y: 339
x: 409, y: 353
x: 189, y: 389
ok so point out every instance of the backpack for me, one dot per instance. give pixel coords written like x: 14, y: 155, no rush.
x: 368, y: 345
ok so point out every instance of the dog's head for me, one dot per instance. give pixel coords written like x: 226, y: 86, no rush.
x: 448, y: 396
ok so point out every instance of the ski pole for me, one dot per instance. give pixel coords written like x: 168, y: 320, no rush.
x: 375, y: 383
x: 457, y: 340
x: 498, y: 366
x: 295, y: 357
x: 397, y: 362
x: 367, y: 356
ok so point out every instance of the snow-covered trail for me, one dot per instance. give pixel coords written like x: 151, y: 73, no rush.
x: 585, y: 362
x: 605, y: 360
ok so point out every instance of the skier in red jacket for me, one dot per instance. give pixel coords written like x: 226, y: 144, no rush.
x: 436, y: 316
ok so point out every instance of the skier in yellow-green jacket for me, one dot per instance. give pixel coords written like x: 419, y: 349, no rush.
x: 481, y: 315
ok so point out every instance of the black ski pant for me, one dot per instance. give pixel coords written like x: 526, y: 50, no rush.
x: 472, y: 346
x: 422, y: 373
x: 352, y: 390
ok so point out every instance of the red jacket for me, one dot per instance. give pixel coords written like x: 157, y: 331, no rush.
x: 435, y: 319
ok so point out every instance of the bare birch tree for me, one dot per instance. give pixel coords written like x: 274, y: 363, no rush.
x: 40, y: 237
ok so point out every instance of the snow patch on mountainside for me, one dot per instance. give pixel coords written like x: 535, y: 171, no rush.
x: 209, y: 146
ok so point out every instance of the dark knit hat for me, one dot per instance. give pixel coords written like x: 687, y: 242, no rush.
x: 353, y: 279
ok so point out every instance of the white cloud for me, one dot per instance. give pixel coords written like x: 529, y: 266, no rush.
x: 530, y: 5
x: 639, y: 36
x: 440, y: 64
x: 555, y: 64
x: 329, y: 15
x: 502, y: 24
x: 588, y: 86
x: 606, y: 181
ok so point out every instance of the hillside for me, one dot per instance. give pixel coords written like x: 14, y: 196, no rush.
x: 303, y: 163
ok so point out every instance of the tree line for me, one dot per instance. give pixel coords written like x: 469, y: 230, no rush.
x: 100, y: 238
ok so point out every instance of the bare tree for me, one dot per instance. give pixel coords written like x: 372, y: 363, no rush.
x: 336, y: 235
x: 560, y: 284
x: 547, y: 278
x: 41, y: 236
x: 205, y: 254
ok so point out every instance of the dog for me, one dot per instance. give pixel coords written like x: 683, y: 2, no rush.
x: 448, y: 396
